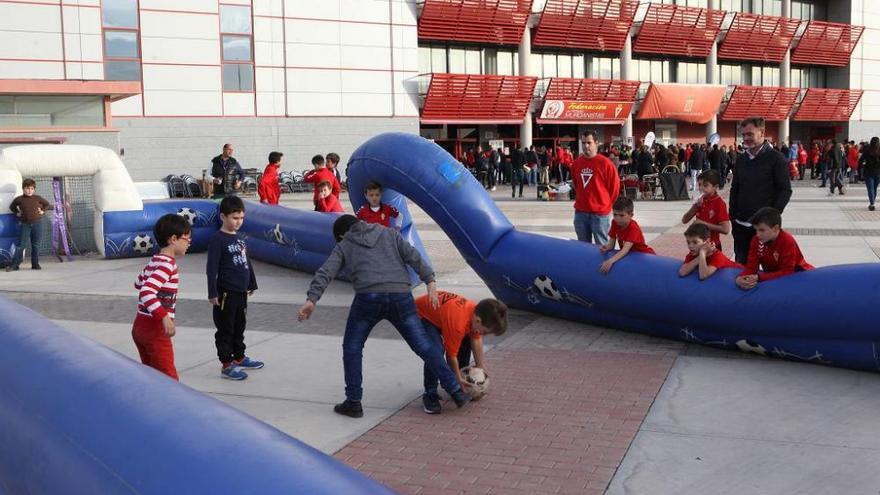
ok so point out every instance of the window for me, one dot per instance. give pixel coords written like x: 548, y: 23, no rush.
x: 765, y: 76
x: 732, y: 5
x: 465, y: 61
x: 605, y: 68
x: 731, y: 74
x: 507, y: 63
x: 122, y: 58
x: 813, y: 77
x: 238, y: 53
x: 30, y: 111
x: 691, y: 73
x: 651, y: 70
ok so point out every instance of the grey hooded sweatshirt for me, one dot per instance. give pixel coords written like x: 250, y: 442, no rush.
x: 376, y: 258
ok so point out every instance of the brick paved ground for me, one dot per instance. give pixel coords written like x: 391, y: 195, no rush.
x: 555, y: 421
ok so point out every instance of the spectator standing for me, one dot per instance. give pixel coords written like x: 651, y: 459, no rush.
x: 517, y: 177
x: 852, y: 159
x: 837, y: 167
x: 760, y: 178
x: 695, y: 165
x: 870, y: 163
x: 227, y: 173
x: 596, y: 186
x: 269, y: 189
x: 532, y: 162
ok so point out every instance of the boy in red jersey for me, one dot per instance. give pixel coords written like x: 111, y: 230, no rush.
x: 772, y: 249
x: 710, y: 209
x: 626, y: 231
x: 269, y: 188
x: 703, y: 255
x: 375, y: 211
x: 327, y: 202
x: 157, y: 294
x: 320, y: 174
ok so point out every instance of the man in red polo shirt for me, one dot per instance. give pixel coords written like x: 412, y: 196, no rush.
x: 596, y: 185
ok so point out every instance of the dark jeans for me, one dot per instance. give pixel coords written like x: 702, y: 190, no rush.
x: 835, y: 176
x: 30, y: 232
x: 742, y: 239
x: 463, y: 356
x: 230, y: 318
x: 517, y: 179
x: 491, y: 178
x: 871, y: 182
x: 400, y: 309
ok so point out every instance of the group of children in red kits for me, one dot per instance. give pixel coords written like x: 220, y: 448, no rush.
x: 773, y: 252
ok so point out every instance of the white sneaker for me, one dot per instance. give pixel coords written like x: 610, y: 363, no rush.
x: 493, y: 188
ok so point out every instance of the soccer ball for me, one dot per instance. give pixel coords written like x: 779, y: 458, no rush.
x: 749, y: 346
x: 477, y: 382
x: 279, y: 235
x: 547, y: 288
x: 143, y: 244
x: 187, y: 214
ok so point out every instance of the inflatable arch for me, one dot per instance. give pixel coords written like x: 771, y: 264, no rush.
x: 643, y: 293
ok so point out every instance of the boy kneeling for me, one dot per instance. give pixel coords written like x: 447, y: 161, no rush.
x: 772, y: 249
x: 455, y: 318
x: 703, y: 255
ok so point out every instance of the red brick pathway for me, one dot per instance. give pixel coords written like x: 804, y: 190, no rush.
x: 555, y: 421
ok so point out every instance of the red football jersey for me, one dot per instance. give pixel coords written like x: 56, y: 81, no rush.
x: 717, y: 259
x: 776, y: 258
x: 713, y: 210
x: 631, y: 233
x: 382, y: 215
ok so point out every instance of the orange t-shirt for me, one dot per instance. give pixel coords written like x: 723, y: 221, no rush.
x: 452, y: 317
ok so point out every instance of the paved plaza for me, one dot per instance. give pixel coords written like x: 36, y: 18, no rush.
x: 574, y: 408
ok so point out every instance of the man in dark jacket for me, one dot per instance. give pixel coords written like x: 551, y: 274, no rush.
x: 760, y: 178
x: 695, y: 165
x: 836, y: 164
x: 227, y: 173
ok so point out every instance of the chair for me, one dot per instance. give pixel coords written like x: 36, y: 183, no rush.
x: 631, y: 186
x: 651, y: 184
x: 193, y: 188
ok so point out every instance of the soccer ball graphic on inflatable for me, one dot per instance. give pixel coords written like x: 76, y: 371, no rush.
x: 187, y: 214
x: 547, y: 288
x: 279, y: 235
x: 143, y: 244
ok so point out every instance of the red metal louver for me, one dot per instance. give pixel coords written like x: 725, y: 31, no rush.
x: 758, y: 37
x: 588, y: 24
x: 772, y: 103
x: 477, y: 99
x: 827, y: 43
x: 676, y: 30
x: 591, y: 89
x: 828, y: 105
x: 498, y: 22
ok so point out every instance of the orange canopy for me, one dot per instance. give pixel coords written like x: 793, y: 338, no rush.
x: 696, y: 103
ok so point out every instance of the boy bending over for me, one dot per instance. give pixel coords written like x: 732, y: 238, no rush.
x: 773, y: 250
x: 626, y: 231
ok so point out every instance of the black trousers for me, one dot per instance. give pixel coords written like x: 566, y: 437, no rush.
x: 742, y: 239
x: 230, y: 318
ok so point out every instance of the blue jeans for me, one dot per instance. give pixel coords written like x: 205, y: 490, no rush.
x: 533, y: 175
x: 464, y: 356
x: 589, y: 226
x: 400, y: 309
x: 871, y: 182
x: 29, y: 233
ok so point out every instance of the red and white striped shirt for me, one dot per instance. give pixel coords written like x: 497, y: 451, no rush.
x: 157, y: 287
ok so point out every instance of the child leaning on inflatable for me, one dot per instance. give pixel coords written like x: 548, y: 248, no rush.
x: 703, y: 255
x: 773, y: 250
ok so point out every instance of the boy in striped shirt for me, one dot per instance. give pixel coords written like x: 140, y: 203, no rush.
x: 157, y: 294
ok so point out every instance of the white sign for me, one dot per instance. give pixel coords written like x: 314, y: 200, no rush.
x: 496, y: 144
x: 714, y: 139
x: 649, y: 139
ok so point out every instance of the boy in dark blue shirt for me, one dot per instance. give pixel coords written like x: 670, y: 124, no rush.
x: 231, y: 280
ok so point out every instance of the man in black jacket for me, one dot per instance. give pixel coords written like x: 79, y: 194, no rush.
x: 227, y: 173
x: 761, y: 178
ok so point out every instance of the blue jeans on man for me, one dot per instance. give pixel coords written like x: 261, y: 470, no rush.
x: 871, y: 182
x: 591, y: 227
x: 30, y: 233
x: 400, y: 310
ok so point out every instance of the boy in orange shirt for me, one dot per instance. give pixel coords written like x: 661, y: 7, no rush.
x: 626, y: 231
x: 772, y: 249
x: 703, y: 254
x: 710, y: 209
x: 448, y: 324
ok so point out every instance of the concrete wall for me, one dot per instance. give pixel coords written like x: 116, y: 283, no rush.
x: 156, y: 147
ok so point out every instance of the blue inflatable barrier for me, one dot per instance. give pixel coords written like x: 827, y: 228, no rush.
x: 9, y: 234
x: 80, y: 418
x: 130, y: 233
x: 786, y: 318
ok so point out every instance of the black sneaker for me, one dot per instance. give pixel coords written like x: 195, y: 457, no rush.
x: 430, y: 404
x: 871, y: 207
x: 461, y: 398
x: 36, y: 266
x: 349, y: 408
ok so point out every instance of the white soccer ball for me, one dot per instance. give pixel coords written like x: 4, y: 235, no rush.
x: 143, y: 244
x: 546, y: 288
x: 188, y: 214
x: 477, y: 383
x: 279, y: 235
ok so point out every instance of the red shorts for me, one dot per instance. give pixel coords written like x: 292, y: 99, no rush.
x: 153, y: 345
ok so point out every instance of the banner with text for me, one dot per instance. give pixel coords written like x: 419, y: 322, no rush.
x: 566, y: 111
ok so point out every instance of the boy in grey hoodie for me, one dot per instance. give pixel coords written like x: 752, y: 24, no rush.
x: 376, y: 258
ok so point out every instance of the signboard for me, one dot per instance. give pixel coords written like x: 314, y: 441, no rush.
x: 695, y: 103
x: 612, y: 112
x: 496, y: 144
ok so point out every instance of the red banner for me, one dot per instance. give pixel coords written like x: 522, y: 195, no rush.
x: 562, y: 111
x: 696, y: 103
